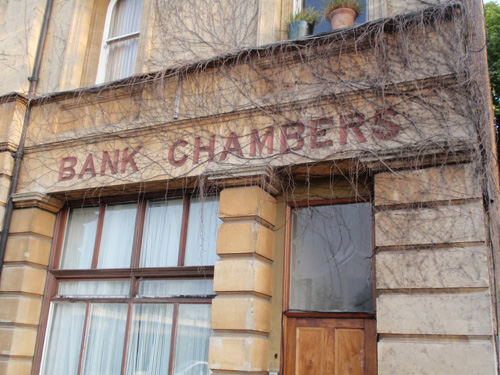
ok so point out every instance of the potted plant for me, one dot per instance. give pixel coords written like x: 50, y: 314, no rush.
x: 301, y: 24
x: 342, y: 13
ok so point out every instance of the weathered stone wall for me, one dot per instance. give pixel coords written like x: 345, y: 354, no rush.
x: 434, y: 304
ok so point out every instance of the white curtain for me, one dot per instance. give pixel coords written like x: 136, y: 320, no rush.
x: 104, y: 339
x: 202, y: 232
x: 122, y: 54
x: 79, y: 238
x: 162, y: 233
x: 117, y: 236
x: 170, y: 288
x: 149, y: 339
x: 192, y: 338
x: 64, y: 338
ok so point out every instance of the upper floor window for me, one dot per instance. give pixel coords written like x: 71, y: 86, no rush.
x: 120, y: 40
x: 324, y: 25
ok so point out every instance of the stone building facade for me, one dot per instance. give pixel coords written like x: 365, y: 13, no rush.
x: 185, y: 191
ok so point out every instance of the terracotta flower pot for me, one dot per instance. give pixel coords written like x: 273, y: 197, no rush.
x: 342, y: 17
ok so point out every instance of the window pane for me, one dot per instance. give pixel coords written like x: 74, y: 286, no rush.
x: 64, y: 339
x: 126, y: 17
x: 193, y: 334
x: 94, y: 288
x: 149, y: 340
x: 117, y: 236
x: 323, y: 25
x: 331, y: 258
x: 162, y: 233
x: 202, y: 232
x: 122, y: 56
x: 80, y: 238
x: 170, y: 288
x: 104, y: 339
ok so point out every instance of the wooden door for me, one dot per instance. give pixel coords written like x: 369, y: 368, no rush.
x: 329, y: 346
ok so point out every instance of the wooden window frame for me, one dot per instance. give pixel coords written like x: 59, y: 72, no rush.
x: 288, y: 316
x: 134, y: 273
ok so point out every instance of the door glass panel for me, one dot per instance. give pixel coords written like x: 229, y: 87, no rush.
x: 331, y: 258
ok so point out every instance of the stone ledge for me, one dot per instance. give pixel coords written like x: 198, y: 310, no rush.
x: 39, y: 200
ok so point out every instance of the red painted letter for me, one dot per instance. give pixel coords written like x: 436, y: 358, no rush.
x: 257, y: 143
x: 129, y: 159
x: 285, y: 137
x: 106, y: 160
x: 70, y: 169
x: 315, y: 133
x: 391, y: 128
x: 198, y: 148
x: 352, y: 121
x: 88, y: 167
x: 232, y: 146
x: 171, y: 153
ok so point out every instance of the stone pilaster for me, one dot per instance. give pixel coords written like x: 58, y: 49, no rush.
x: 434, y: 310
x: 23, y: 280
x: 241, y: 312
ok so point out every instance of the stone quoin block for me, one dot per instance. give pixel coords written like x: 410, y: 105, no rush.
x: 244, y: 353
x: 4, y: 189
x: 23, y: 279
x: 17, y: 341
x: 6, y: 163
x: 427, y: 226
x: 20, y: 309
x: 28, y: 248
x: 427, y: 185
x: 247, y: 203
x: 15, y: 366
x: 32, y: 220
x: 245, y: 275
x: 435, y: 357
x: 241, y: 314
x: 460, y: 267
x: 247, y: 238
x: 435, y: 314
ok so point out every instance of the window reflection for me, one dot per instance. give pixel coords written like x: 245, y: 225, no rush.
x: 331, y: 258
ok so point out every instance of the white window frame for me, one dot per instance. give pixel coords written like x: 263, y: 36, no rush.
x: 106, y: 41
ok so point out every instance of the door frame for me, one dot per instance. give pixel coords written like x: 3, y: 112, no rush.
x: 345, y: 319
